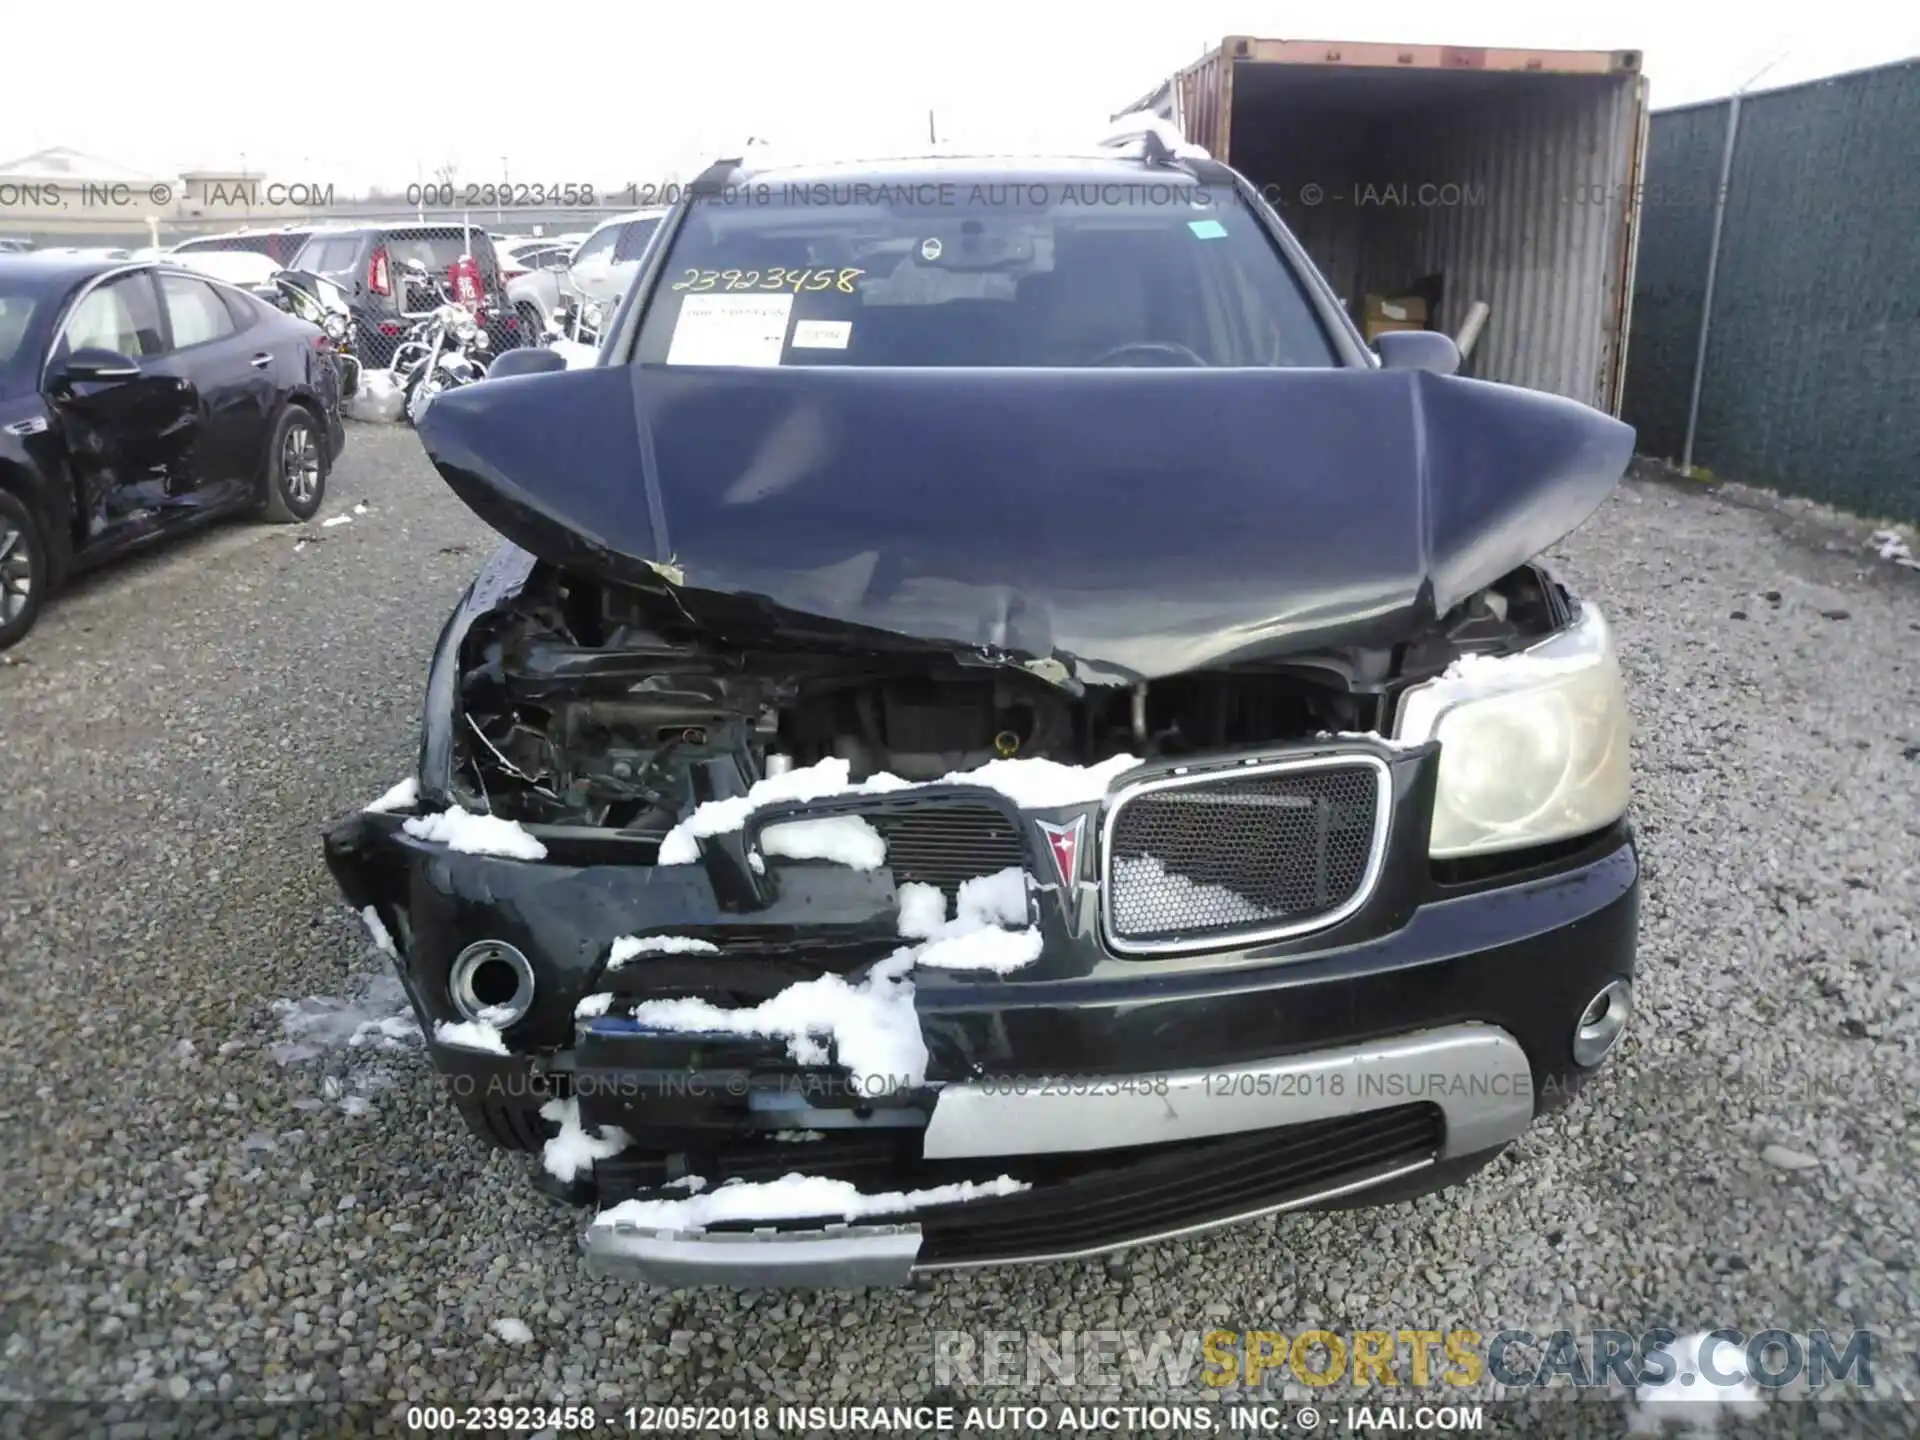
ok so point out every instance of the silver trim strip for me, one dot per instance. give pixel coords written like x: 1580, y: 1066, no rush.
x: 1477, y: 1074
x: 837, y: 1257
x: 1382, y: 823
x: 1332, y: 1192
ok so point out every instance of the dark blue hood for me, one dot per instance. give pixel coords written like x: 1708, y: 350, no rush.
x: 1145, y: 522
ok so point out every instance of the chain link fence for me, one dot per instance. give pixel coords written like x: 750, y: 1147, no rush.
x: 1776, y: 313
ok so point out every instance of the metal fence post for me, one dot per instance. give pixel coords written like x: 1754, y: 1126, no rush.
x: 1713, y: 266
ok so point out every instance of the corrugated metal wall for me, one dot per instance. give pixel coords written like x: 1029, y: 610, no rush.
x: 1812, y: 381
x: 1525, y: 206
x: 1544, y: 247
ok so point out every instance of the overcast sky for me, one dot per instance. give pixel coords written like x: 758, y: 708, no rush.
x: 576, y: 93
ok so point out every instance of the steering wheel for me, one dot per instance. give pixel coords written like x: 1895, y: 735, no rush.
x: 1165, y: 349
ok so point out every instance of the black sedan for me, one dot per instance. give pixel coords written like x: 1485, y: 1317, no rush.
x: 139, y: 400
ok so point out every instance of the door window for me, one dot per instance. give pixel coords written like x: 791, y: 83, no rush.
x: 634, y: 236
x: 597, y: 246
x: 194, y: 311
x: 120, y: 316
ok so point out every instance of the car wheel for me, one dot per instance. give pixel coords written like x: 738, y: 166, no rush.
x: 532, y: 328
x: 24, y: 569
x: 296, y: 479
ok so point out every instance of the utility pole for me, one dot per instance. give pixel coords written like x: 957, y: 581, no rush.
x: 932, y: 138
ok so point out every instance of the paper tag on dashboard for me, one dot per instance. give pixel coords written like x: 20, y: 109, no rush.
x: 730, y: 330
x: 822, y: 334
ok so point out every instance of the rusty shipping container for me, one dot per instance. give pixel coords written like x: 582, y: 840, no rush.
x: 1510, y: 177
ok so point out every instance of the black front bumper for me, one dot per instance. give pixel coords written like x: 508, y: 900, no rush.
x: 1393, y: 1051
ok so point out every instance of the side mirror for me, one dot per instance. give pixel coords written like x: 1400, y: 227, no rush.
x: 93, y: 366
x: 527, y: 360
x: 1428, y: 350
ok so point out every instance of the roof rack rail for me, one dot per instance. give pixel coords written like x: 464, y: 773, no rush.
x: 713, y: 179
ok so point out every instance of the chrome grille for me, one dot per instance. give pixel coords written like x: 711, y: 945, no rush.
x: 1243, y: 855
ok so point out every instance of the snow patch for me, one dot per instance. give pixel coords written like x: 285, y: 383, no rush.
x: 792, y: 1197
x: 844, y: 839
x: 1030, y: 784
x: 333, y: 520
x: 377, y: 932
x: 403, y: 796
x: 472, y: 834
x: 629, y: 947
x: 592, y: 1005
x: 1892, y: 545
x: 977, y: 938
x: 923, y: 910
x: 1699, y: 1405
x: 378, y: 1017
x: 798, y: 1137
x: 1174, y: 893
x: 573, y: 1149
x: 514, y: 1332
x: 470, y: 1035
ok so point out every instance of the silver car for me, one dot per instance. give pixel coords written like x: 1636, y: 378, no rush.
x: 595, y: 275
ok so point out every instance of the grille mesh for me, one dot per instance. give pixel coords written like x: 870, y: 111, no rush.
x: 948, y: 843
x: 1240, y: 853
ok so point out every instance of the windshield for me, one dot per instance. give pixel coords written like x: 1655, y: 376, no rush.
x: 1004, y: 275
x: 17, y: 305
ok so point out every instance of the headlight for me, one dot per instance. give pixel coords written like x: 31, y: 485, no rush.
x: 1533, y: 747
x: 335, y: 326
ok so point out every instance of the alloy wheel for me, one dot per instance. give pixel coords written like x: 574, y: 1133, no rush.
x: 16, y: 573
x: 300, y: 464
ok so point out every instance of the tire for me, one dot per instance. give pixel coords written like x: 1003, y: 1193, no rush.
x: 296, y: 478
x: 532, y: 327
x: 26, y: 569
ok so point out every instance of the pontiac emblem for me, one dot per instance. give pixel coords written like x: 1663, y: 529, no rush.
x: 1064, y: 842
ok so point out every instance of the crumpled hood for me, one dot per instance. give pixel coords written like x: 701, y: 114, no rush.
x: 1144, y: 522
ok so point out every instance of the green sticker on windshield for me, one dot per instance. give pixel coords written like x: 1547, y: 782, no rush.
x: 1207, y: 229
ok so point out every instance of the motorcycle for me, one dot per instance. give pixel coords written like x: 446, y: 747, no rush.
x: 323, y: 304
x: 444, y: 350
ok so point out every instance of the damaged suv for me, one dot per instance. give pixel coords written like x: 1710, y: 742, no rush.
x: 1000, y: 732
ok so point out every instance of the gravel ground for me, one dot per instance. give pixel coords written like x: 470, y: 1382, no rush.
x: 187, y: 1215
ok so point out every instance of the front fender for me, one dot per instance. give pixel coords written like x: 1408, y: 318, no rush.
x: 500, y: 580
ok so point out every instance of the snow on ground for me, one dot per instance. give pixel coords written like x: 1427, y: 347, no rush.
x: 792, y: 1197
x: 844, y: 839
x: 1172, y: 892
x: 514, y: 1332
x: 1696, y: 1403
x: 573, y: 1150
x: 470, y: 1035
x: 473, y: 834
x: 333, y: 520
x: 630, y: 947
x: 401, y: 797
x: 1030, y: 784
x: 376, y: 1016
x: 1892, y: 545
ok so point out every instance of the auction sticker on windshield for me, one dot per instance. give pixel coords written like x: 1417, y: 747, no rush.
x: 822, y: 334
x: 730, y: 330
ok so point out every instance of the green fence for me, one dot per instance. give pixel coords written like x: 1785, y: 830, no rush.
x: 1811, y: 382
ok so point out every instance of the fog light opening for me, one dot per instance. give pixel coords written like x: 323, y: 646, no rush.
x: 1602, y: 1023
x: 493, y: 981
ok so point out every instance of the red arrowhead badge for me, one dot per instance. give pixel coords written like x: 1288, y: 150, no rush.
x: 1064, y: 842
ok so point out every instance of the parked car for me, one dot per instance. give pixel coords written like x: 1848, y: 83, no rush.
x: 139, y: 401
x: 14, y: 245
x: 593, y: 276
x: 278, y: 245
x: 1002, y: 731
x: 369, y: 262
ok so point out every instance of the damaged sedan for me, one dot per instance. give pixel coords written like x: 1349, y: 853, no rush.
x: 1001, y: 731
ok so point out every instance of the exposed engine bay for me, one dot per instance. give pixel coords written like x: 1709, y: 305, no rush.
x: 593, y: 705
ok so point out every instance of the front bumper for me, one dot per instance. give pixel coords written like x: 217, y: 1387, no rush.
x: 1137, y: 1098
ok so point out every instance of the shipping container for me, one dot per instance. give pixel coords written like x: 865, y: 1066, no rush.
x: 1447, y: 176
